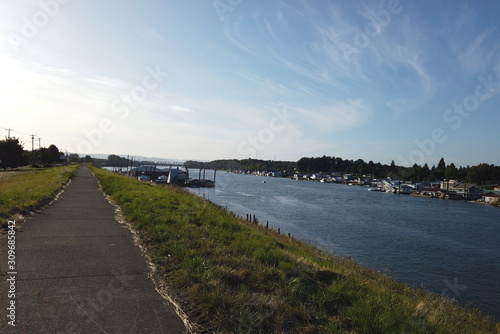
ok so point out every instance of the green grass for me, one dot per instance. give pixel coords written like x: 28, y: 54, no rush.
x: 25, y: 190
x: 233, y: 276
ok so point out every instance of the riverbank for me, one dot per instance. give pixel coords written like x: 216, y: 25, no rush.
x: 26, y: 190
x: 231, y: 275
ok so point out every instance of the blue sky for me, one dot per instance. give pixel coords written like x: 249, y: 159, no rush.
x: 409, y: 81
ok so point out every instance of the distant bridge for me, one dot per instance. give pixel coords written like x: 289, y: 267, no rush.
x: 136, y: 163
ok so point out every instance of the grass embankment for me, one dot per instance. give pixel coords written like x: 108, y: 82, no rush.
x: 238, y: 277
x: 25, y: 190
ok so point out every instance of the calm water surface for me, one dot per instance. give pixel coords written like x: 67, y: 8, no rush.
x: 449, y: 247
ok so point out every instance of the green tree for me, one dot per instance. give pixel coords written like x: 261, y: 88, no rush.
x: 55, y: 154
x: 302, y: 165
x: 359, y: 167
x: 370, y: 167
x: 481, y: 173
x: 425, y: 173
x: 73, y: 157
x: 451, y: 172
x: 11, y: 153
x: 496, y: 174
x: 441, y: 165
x: 323, y: 164
x: 393, y: 167
x: 378, y: 170
x: 48, y: 155
x: 115, y: 160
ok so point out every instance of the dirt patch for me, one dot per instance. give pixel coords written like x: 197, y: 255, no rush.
x: 6, y: 174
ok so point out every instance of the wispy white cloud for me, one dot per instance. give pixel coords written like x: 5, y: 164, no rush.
x: 399, y: 60
x: 326, y: 57
x: 267, y: 85
x: 477, y: 53
x: 340, y: 116
x: 233, y: 33
x: 180, y: 109
x: 58, y: 70
x: 475, y: 50
x: 152, y: 36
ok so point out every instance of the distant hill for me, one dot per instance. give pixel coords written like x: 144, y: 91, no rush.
x: 136, y: 157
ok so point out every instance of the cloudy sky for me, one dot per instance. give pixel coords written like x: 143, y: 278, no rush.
x: 409, y: 81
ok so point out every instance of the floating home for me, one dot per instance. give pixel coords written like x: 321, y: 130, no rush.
x: 160, y: 175
x: 175, y: 176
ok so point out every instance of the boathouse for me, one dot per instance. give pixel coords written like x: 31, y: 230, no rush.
x: 468, y: 191
x: 491, y: 197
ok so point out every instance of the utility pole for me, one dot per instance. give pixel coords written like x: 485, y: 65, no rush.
x: 8, y: 130
x: 39, y: 142
x: 32, y: 143
x: 32, y: 148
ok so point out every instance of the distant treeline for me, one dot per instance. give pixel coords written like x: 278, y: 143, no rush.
x: 13, y: 155
x: 480, y: 174
x: 246, y: 164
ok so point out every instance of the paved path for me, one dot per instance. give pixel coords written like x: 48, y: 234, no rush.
x: 78, y: 271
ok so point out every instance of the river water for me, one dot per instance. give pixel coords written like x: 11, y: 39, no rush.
x: 449, y: 247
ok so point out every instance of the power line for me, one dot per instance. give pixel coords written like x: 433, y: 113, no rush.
x: 17, y: 131
x: 8, y: 130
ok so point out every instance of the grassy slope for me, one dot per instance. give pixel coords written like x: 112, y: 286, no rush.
x: 238, y: 277
x: 27, y: 190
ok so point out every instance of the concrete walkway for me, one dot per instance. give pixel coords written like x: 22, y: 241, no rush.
x: 78, y: 271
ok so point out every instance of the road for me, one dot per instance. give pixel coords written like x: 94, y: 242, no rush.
x: 77, y: 270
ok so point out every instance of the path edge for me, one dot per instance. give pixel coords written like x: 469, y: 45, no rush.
x: 160, y: 285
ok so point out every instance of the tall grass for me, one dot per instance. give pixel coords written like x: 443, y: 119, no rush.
x: 23, y: 191
x: 238, y: 277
